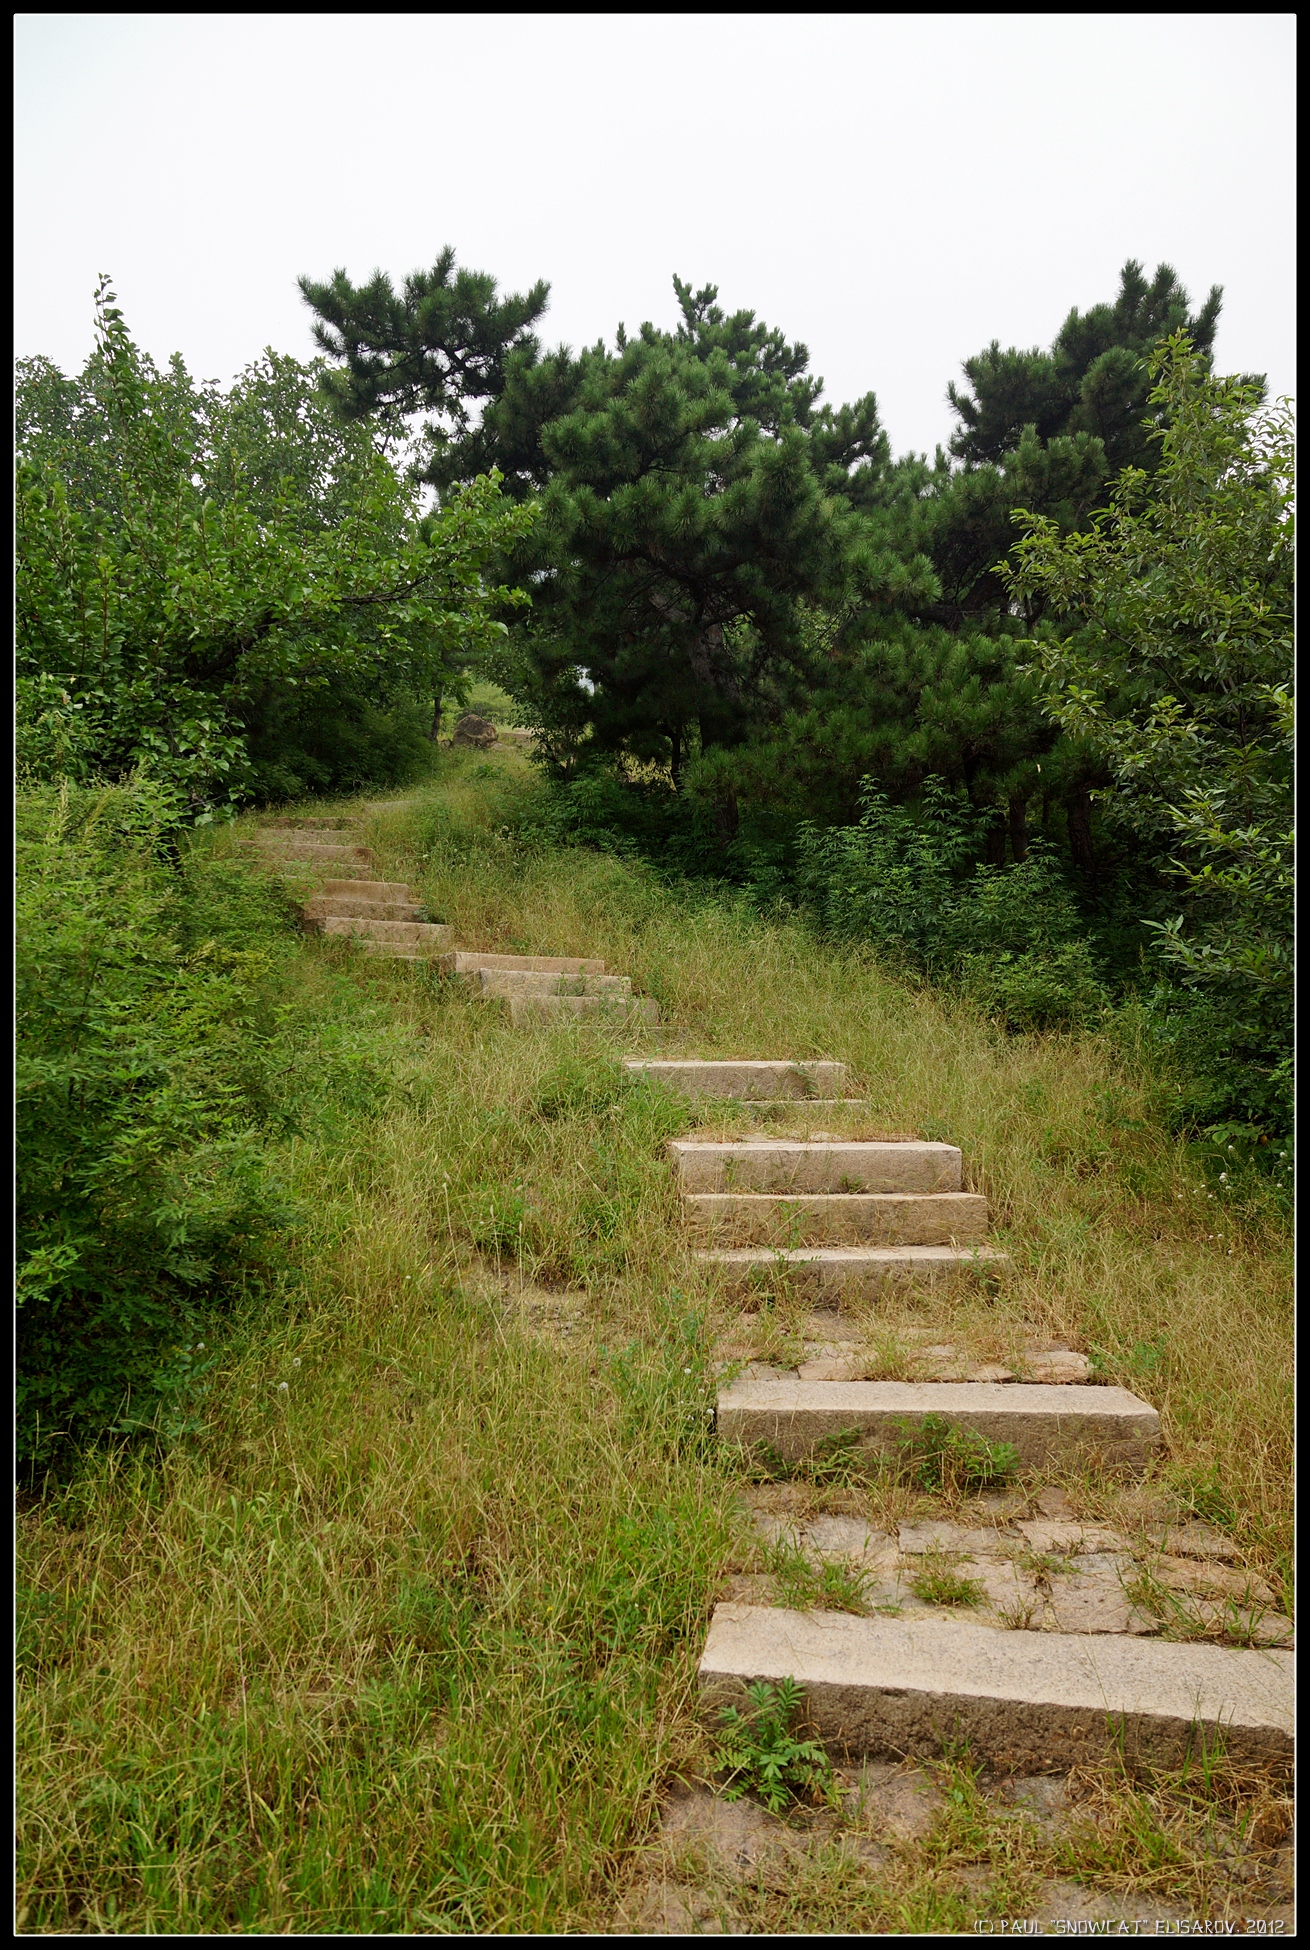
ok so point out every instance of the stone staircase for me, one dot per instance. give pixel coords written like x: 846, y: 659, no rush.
x: 384, y: 917
x: 548, y: 988
x: 1049, y: 1662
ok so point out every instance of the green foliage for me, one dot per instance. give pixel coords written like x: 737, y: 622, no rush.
x: 938, y: 1457
x: 1179, y: 673
x: 160, y: 1057
x: 905, y: 880
x: 189, y: 560
x: 763, y: 1755
x: 143, y: 1195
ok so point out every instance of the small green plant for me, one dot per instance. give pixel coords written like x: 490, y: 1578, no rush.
x: 763, y: 1755
x: 938, y: 1457
x: 938, y: 1582
x: 833, y: 1584
x: 836, y: 1458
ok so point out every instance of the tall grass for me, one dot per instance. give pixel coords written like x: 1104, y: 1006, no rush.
x: 405, y: 1640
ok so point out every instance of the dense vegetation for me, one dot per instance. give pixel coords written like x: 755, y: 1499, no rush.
x: 1018, y: 720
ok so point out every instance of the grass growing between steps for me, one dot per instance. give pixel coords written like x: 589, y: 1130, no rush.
x: 404, y: 1638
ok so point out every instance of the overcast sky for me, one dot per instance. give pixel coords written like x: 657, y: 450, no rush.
x: 895, y: 190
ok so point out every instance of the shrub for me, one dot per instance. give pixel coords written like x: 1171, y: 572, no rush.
x: 142, y: 1195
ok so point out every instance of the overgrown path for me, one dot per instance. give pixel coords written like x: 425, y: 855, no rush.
x: 408, y: 1638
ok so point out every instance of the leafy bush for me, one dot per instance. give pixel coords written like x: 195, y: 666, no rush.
x: 1177, y: 670
x: 142, y: 1189
x: 907, y: 880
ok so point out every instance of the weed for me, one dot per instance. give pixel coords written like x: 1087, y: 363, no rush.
x: 938, y: 1582
x: 763, y: 1755
x: 937, y: 1457
x: 833, y: 1584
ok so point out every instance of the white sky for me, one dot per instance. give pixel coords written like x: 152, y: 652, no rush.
x: 896, y: 190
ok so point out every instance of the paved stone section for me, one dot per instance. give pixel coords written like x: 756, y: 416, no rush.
x: 519, y: 981
x: 415, y: 934
x: 472, y: 961
x: 838, y: 1218
x: 847, y: 1271
x: 784, y: 1165
x: 1045, y: 1424
x: 773, y: 1081
x: 324, y: 906
x: 1024, y: 1700
x: 559, y: 1008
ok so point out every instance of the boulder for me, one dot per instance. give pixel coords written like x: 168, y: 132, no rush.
x: 473, y: 730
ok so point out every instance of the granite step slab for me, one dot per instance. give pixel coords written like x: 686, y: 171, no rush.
x: 324, y: 907
x: 518, y: 981
x: 372, y: 890
x: 413, y: 935
x: 1025, y: 1701
x: 787, y: 1166
x: 834, y: 1273
x: 471, y: 963
x: 1046, y: 1424
x: 837, y: 1218
x: 775, y: 1082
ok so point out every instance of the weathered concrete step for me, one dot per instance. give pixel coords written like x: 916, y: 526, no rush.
x: 560, y: 1008
x: 372, y: 890
x: 309, y: 836
x: 787, y: 1165
x: 1046, y: 1422
x: 774, y: 1081
x: 1024, y: 1701
x: 326, y: 906
x: 852, y: 1272
x: 521, y: 981
x: 404, y: 934
x: 317, y: 852
x: 837, y: 1218
x: 471, y: 962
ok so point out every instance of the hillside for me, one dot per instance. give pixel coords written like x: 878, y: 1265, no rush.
x: 399, y: 1631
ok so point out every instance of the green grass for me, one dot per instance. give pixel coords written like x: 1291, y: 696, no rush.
x: 404, y: 1639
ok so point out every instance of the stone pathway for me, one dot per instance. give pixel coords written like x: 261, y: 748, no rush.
x: 385, y: 918
x: 1042, y: 1640
x: 1006, y: 1619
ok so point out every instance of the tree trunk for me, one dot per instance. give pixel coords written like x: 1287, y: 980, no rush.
x: 435, y: 732
x: 675, y: 764
x: 725, y: 819
x: 1079, y: 808
x: 995, y: 847
x: 1019, y: 827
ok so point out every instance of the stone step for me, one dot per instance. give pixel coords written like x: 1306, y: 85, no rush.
x: 786, y: 1165
x: 472, y: 961
x: 525, y: 1009
x: 308, y: 836
x: 372, y: 890
x: 326, y: 906
x: 1026, y: 1702
x: 1046, y: 1422
x: 837, y: 1218
x: 850, y: 1272
x: 521, y: 981
x: 414, y: 935
x: 774, y: 1082
x: 313, y: 851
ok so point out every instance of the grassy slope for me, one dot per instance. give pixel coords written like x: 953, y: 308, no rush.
x: 406, y: 1639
